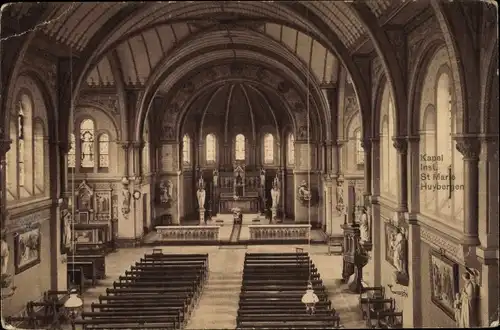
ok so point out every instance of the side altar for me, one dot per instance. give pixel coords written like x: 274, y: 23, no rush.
x: 240, y: 189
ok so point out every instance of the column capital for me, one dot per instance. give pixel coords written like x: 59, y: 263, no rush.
x: 124, y: 144
x: 4, y: 146
x: 137, y: 144
x: 400, y: 143
x: 340, y: 143
x: 468, y: 146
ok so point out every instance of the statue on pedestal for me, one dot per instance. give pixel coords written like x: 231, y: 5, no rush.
x: 215, y: 177
x: 466, y: 302
x: 200, y: 193
x: 304, y: 192
x: 340, y: 196
x: 262, y: 177
x: 364, y: 227
x: 275, y: 194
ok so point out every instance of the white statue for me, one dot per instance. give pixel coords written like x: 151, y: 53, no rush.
x: 126, y: 200
x: 66, y: 217
x: 200, y: 194
x: 364, y: 227
x: 262, y: 177
x: 398, y: 243
x: 5, y: 253
x: 469, y: 301
x: 216, y: 177
x: 275, y: 195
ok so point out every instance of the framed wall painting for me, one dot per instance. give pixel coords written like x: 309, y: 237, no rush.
x: 443, y: 275
x: 27, y: 248
x: 389, y: 232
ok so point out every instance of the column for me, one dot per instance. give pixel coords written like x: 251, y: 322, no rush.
x: 136, y: 155
x: 470, y: 147
x: 366, y: 144
x: 340, y: 144
x: 412, y: 309
x: 328, y: 182
x: 401, y: 145
x: 377, y: 225
x: 4, y: 147
x: 328, y: 160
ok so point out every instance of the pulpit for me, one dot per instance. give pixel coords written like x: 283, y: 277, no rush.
x: 355, y: 257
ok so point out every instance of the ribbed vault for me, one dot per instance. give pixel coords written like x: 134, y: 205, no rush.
x: 235, y: 104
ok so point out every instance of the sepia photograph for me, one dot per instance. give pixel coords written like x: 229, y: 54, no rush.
x: 193, y: 164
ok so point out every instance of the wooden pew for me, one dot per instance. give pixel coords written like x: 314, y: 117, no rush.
x: 390, y: 320
x: 99, y: 261
x: 136, y: 322
x: 367, y: 294
x: 272, y: 288
x: 376, y: 307
x: 76, y: 278
x: 88, y: 267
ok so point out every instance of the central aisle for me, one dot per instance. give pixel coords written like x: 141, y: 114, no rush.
x: 218, y: 305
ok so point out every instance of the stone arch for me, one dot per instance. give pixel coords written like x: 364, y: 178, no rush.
x: 462, y: 91
x: 220, y: 82
x: 417, y: 81
x: 145, y: 101
x: 89, y: 104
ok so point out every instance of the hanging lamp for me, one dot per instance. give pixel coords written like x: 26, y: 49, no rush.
x: 309, y: 299
x: 74, y: 304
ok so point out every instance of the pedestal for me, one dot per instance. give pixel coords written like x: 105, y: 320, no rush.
x: 274, y: 213
x: 202, y: 216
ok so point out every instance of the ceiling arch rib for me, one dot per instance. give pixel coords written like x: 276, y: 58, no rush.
x: 81, y: 22
x: 322, y: 62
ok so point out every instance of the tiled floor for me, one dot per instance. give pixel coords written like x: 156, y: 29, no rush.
x: 230, y: 260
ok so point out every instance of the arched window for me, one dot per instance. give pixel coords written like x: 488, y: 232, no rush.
x: 210, y: 144
x: 385, y: 147
x: 39, y: 157
x: 72, y: 151
x: 103, y: 150
x: 360, y: 152
x: 291, y: 149
x: 268, y: 148
x: 392, y: 152
x: 186, y: 150
x: 20, y: 145
x: 87, y: 143
x: 239, y: 147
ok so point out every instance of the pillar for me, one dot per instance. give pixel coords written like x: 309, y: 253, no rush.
x: 340, y: 161
x: 469, y: 147
x: 4, y: 148
x: 401, y: 145
x: 376, y: 221
x: 366, y: 144
x: 412, y: 309
x: 328, y: 146
x: 329, y: 203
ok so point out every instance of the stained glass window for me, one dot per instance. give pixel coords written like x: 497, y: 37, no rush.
x: 360, y: 153
x: 268, y: 148
x: 210, y: 144
x: 72, y: 151
x: 291, y: 149
x: 87, y: 143
x: 104, y: 150
x: 186, y: 147
x: 39, y: 153
x: 20, y: 144
x: 240, y: 147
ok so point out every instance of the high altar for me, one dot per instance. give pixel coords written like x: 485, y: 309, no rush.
x: 240, y: 189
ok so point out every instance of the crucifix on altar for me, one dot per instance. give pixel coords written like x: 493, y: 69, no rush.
x: 239, y: 180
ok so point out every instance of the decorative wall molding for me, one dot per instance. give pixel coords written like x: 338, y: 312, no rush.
x: 437, y: 241
x: 18, y: 223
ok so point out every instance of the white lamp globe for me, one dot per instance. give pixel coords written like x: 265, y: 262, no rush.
x: 74, y: 303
